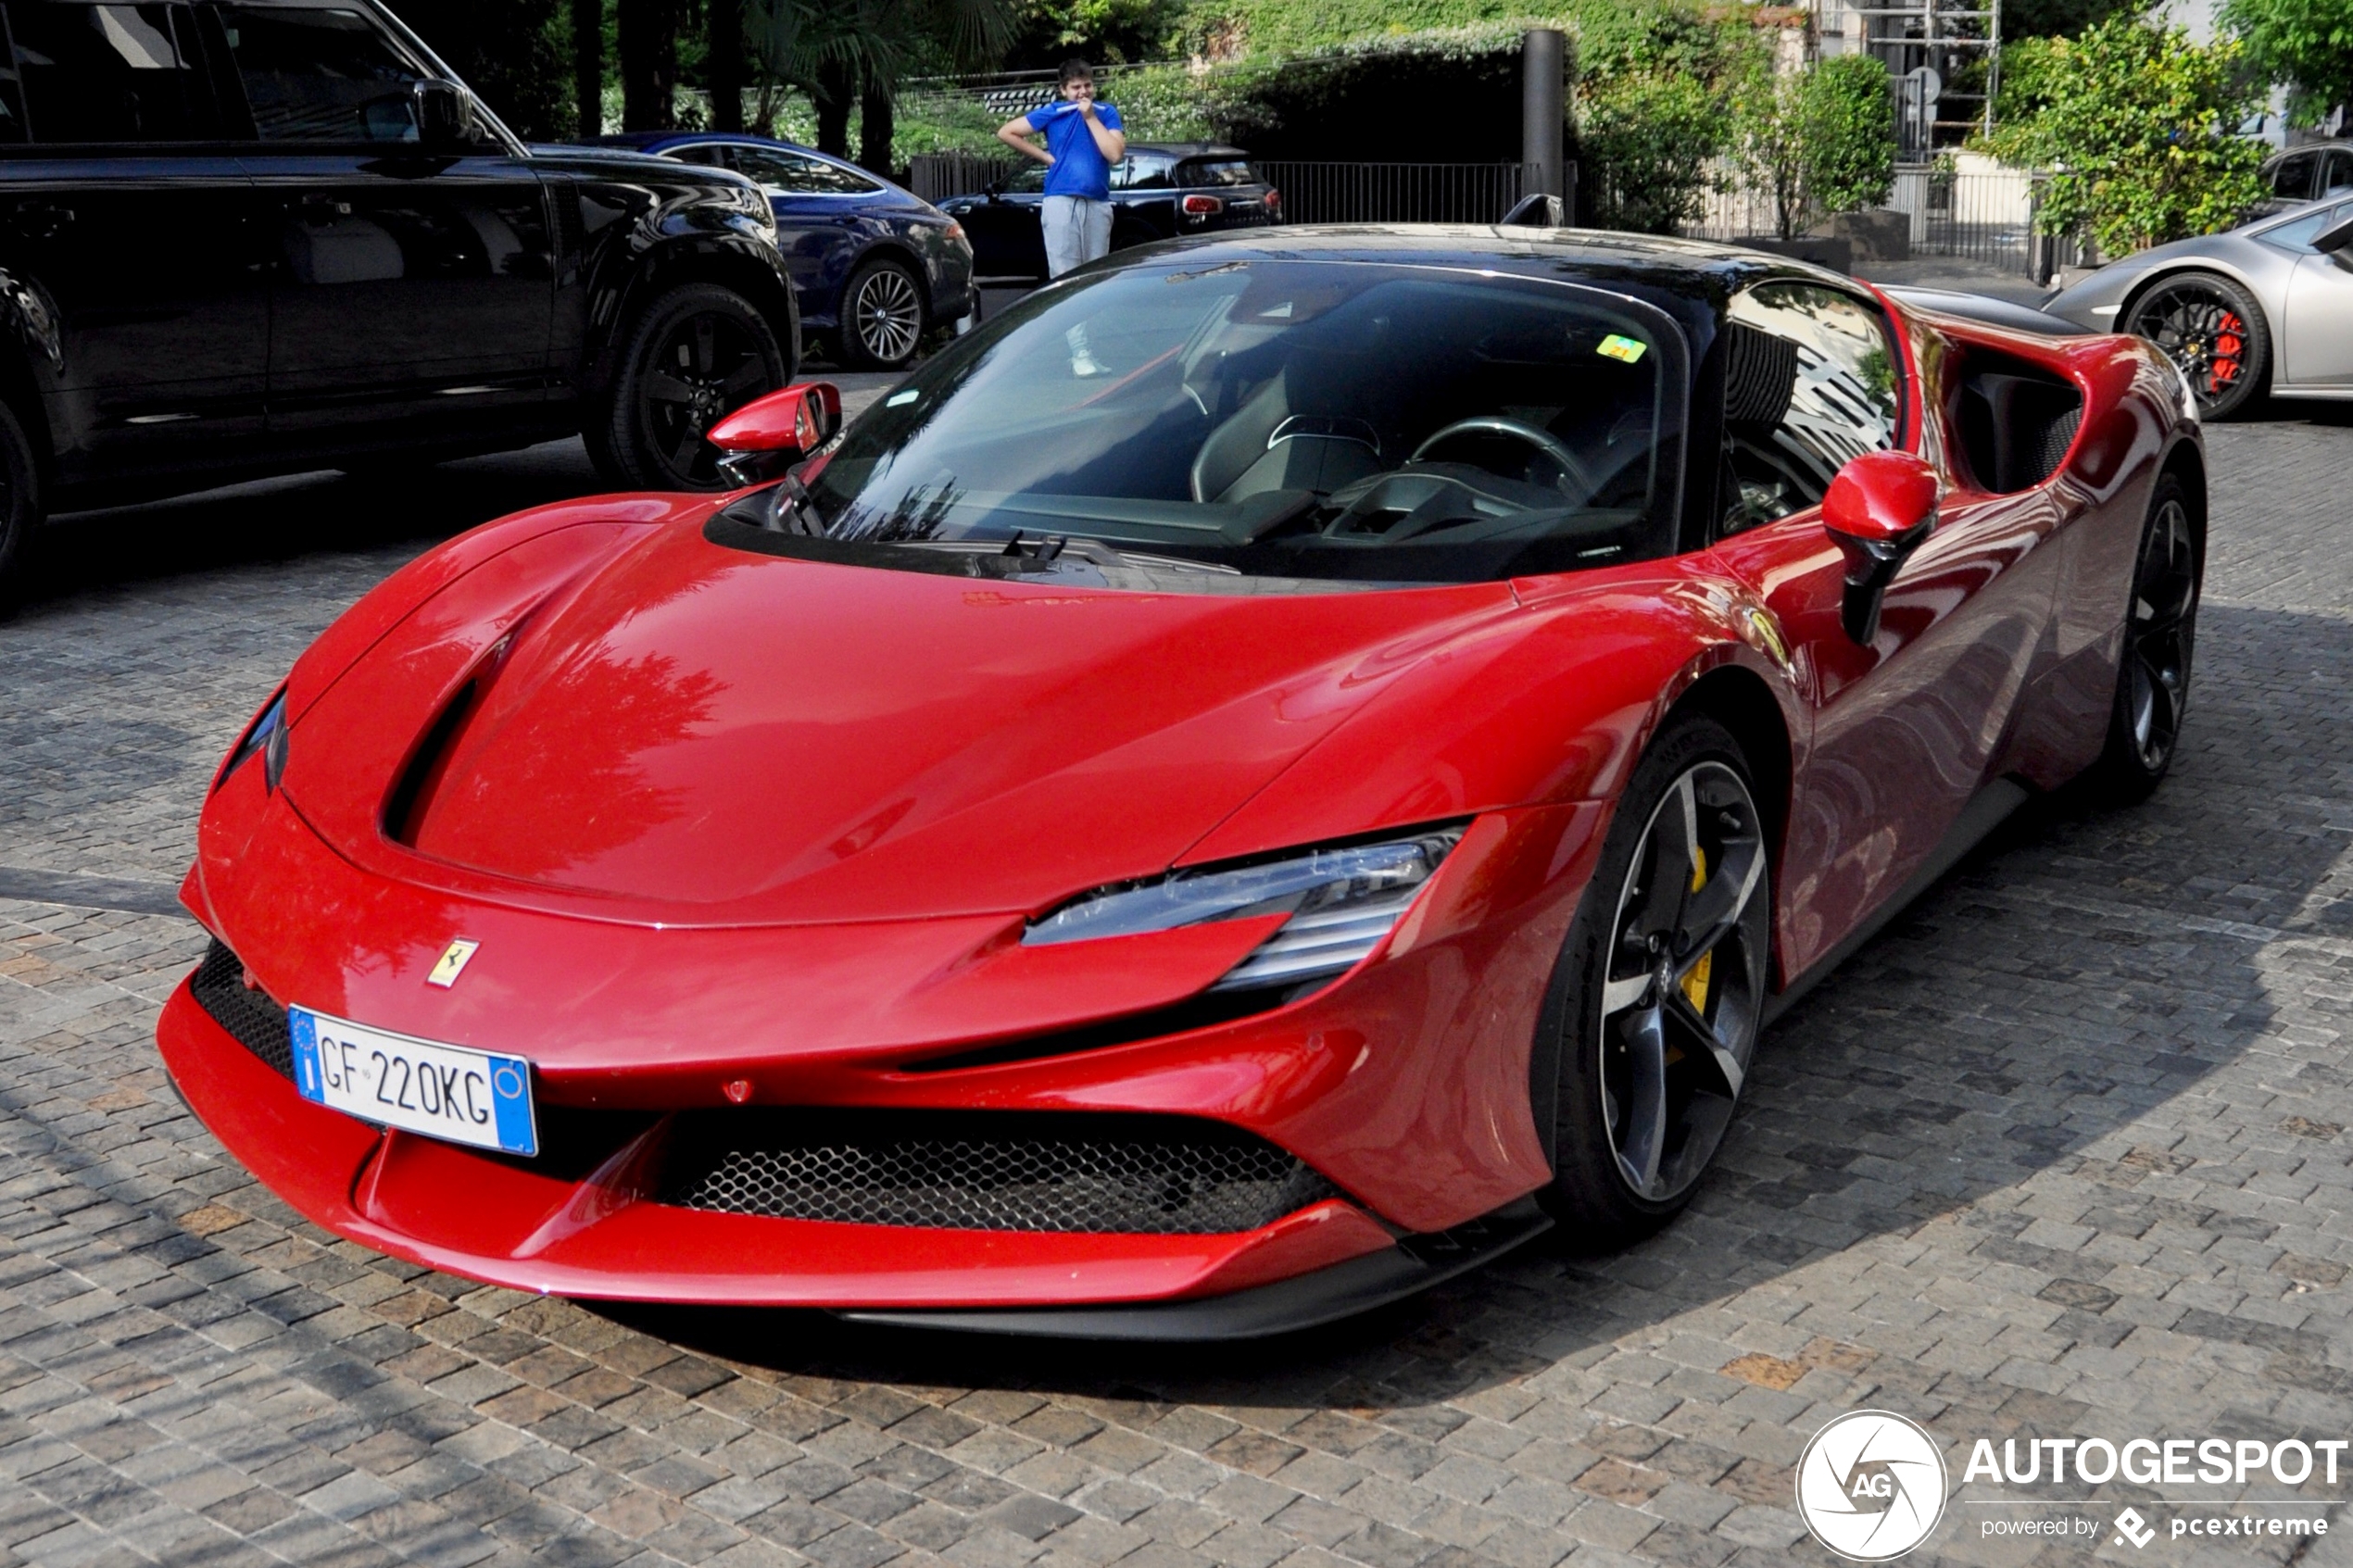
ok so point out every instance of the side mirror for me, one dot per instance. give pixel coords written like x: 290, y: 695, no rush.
x: 1538, y: 211
x: 769, y: 434
x: 2330, y: 240
x: 1877, y: 511
x: 443, y: 119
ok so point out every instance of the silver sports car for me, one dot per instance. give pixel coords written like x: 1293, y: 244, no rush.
x: 2266, y: 305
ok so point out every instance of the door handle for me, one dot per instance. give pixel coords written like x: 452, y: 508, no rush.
x: 42, y: 220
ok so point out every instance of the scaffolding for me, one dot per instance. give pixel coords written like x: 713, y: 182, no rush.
x: 1943, y: 61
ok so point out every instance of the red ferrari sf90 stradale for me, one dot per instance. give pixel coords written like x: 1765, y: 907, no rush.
x: 1273, y: 772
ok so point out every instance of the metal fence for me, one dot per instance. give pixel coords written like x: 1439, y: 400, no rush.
x: 1983, y: 215
x: 1393, y: 193
x: 937, y: 176
x: 1312, y: 193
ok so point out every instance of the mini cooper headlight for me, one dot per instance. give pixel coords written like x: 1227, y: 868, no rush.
x: 1340, y: 902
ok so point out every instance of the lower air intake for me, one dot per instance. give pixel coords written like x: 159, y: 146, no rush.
x: 259, y: 1024
x: 993, y: 1171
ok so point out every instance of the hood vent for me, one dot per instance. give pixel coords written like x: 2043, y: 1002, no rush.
x: 412, y: 793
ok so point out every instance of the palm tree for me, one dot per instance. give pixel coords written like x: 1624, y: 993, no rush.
x: 859, y: 50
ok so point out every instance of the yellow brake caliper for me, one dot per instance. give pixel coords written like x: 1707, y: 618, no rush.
x: 1695, y: 983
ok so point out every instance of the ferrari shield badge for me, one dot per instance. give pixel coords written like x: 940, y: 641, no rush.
x: 452, y: 963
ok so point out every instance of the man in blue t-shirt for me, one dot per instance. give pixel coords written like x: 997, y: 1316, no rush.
x: 1082, y: 140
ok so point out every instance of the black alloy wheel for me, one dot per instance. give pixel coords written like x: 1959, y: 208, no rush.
x: 2210, y: 328
x: 882, y: 317
x: 1667, y: 964
x: 696, y: 353
x: 2160, y: 634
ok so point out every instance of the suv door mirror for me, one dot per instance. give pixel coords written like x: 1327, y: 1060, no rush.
x: 1877, y: 511
x: 769, y: 434
x: 444, y: 118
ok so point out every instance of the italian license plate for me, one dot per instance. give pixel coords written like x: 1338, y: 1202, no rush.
x: 441, y: 1091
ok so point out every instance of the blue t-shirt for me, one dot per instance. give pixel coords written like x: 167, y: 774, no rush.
x: 1078, y: 168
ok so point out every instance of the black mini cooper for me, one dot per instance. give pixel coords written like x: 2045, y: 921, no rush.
x: 269, y: 235
x: 1159, y: 191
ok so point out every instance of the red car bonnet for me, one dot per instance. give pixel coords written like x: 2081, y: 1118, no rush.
x: 693, y: 735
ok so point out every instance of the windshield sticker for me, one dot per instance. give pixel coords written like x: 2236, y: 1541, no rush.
x: 895, y: 398
x: 1623, y: 348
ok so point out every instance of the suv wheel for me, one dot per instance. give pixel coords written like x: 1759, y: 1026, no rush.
x: 19, y: 500
x: 882, y: 316
x: 695, y: 354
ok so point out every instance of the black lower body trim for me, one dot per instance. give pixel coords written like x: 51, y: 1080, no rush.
x: 1414, y: 1264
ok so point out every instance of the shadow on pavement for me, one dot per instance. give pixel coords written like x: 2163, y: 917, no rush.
x: 300, y: 516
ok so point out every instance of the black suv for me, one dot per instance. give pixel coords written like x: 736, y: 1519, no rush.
x: 260, y: 237
x: 2303, y: 175
x: 1159, y: 191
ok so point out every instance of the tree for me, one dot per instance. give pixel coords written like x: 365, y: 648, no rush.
x: 2136, y: 122
x: 2306, y: 44
x: 648, y: 38
x: 1822, y: 140
x: 507, y: 51
x: 856, y: 53
x: 588, y: 66
x: 723, y: 64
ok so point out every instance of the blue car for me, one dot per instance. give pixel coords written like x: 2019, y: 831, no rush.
x: 874, y: 268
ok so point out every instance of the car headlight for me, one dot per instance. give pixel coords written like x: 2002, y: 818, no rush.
x: 1341, y: 903
x: 267, y: 735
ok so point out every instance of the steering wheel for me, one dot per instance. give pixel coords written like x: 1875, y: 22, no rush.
x: 1496, y: 424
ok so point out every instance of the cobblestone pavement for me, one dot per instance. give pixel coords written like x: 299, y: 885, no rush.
x: 2064, y: 1153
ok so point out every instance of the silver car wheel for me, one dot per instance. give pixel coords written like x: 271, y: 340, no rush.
x: 887, y: 314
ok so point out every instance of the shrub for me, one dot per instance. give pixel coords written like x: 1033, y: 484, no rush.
x: 2136, y: 124
x: 1644, y: 140
x: 1821, y: 140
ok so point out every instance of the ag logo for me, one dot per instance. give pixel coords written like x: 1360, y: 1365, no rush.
x: 1870, y: 1486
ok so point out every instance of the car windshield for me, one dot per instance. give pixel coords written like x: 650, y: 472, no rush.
x: 1278, y: 424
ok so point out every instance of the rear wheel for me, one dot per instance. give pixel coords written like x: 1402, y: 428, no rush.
x: 2153, y: 673
x: 694, y: 355
x: 1662, y: 989
x: 882, y: 316
x: 2210, y: 328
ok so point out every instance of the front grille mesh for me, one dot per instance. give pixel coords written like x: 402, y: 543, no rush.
x: 259, y: 1024
x: 996, y: 1170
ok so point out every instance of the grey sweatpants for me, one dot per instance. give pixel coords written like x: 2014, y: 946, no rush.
x: 1078, y: 231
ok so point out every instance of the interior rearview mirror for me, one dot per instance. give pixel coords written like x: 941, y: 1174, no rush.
x: 769, y: 434
x: 1878, y: 510
x: 443, y: 118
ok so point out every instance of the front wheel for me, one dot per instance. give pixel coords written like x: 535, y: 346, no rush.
x: 695, y: 354
x: 1662, y: 989
x: 882, y: 317
x: 2152, y: 668
x: 2210, y: 328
